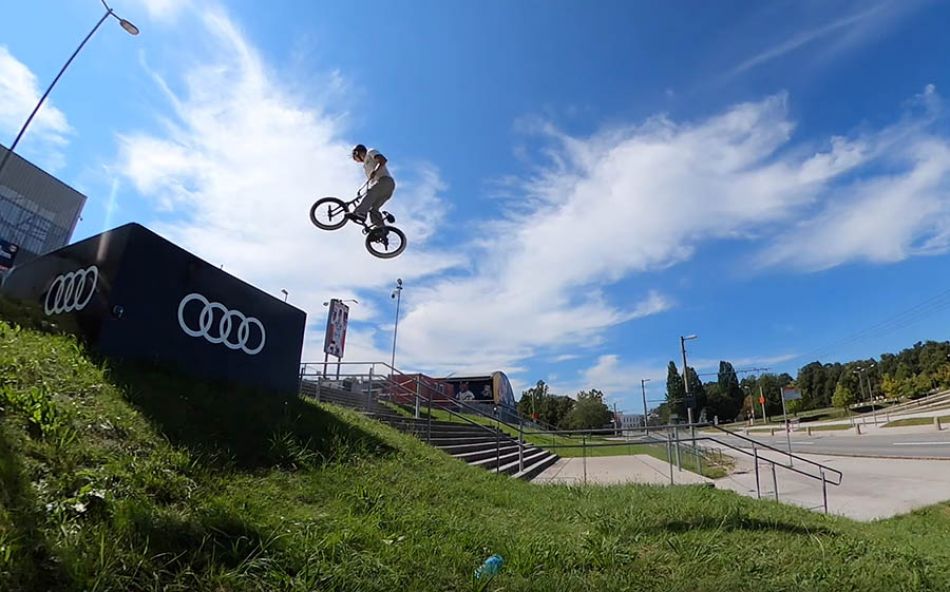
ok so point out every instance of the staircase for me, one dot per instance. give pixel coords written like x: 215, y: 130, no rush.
x: 478, y: 445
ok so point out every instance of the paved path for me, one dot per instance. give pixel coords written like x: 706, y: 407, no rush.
x: 898, y: 444
x: 872, y: 488
x: 609, y: 470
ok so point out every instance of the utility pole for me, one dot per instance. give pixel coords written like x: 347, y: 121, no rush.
x: 643, y: 389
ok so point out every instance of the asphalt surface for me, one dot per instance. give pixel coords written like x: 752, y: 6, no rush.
x: 920, y: 445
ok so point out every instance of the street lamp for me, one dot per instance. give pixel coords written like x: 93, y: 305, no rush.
x: 129, y: 27
x: 689, y: 403
x: 643, y: 389
x: 284, y: 292
x: 397, y: 294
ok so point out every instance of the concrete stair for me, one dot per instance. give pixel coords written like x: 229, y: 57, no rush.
x: 480, y: 446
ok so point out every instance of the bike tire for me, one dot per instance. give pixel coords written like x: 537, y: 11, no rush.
x: 328, y: 213
x: 386, y: 252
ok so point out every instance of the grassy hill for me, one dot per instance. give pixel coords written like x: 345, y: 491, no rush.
x: 133, y: 479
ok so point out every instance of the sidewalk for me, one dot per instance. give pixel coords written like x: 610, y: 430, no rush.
x: 611, y: 470
x: 866, y: 429
x: 871, y: 489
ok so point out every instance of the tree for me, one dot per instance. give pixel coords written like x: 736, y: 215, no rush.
x: 843, y: 397
x: 891, y: 387
x: 697, y: 391
x: 532, y: 399
x: 794, y: 406
x: 770, y: 385
x: 550, y: 409
x: 729, y: 383
x: 675, y: 391
x: 589, y: 412
x: 720, y: 405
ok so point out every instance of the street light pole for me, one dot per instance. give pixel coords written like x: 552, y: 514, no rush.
x: 129, y: 27
x: 643, y: 389
x: 397, y: 294
x: 689, y: 405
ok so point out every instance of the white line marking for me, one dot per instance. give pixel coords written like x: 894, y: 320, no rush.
x: 921, y: 443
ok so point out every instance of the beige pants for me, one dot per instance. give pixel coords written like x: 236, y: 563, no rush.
x: 375, y: 197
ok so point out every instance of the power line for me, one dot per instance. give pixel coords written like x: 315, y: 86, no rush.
x: 740, y: 371
x: 898, y: 321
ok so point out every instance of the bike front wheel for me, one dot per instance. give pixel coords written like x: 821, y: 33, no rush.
x: 386, y: 242
x: 328, y: 213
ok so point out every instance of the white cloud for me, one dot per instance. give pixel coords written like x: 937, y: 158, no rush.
x: 898, y: 209
x: 19, y: 92
x: 237, y: 167
x: 635, y: 199
x: 239, y: 164
x: 840, y: 34
x: 164, y: 10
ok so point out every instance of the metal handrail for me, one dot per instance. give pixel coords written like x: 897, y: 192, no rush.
x: 394, y: 371
x: 762, y: 445
x: 396, y: 385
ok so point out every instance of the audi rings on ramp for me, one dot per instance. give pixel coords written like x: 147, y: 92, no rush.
x: 71, y: 291
x: 225, y: 325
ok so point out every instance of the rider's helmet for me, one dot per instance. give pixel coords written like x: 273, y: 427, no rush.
x: 359, y: 150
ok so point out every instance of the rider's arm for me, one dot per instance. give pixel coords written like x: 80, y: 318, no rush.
x: 380, y: 161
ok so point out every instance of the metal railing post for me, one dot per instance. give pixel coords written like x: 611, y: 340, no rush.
x: 429, y: 421
x: 369, y: 391
x: 824, y: 490
x: 520, y: 445
x: 758, y: 487
x: 774, y: 482
x: 584, y: 443
x: 497, y: 451
x: 692, y: 434
x: 417, y: 397
x: 669, y: 454
x: 676, y: 433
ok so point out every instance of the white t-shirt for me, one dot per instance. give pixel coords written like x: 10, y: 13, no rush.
x: 466, y: 395
x: 370, y: 163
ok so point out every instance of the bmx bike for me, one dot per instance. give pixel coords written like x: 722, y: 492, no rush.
x: 332, y: 213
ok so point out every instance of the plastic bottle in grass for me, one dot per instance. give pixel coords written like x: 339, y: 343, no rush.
x: 490, y: 567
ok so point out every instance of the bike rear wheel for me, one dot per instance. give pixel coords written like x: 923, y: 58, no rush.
x: 328, y: 213
x: 386, y: 242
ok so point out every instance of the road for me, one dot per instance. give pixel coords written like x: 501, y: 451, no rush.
x: 921, y: 445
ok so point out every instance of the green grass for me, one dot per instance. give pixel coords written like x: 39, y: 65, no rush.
x: 129, y: 479
x: 831, y: 428
x: 915, y: 421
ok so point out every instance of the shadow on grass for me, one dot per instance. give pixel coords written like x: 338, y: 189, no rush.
x: 244, y: 427
x: 737, y: 523
x: 32, y: 563
x: 207, y: 540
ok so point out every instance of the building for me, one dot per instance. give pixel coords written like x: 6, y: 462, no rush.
x: 38, y: 212
x: 631, y: 423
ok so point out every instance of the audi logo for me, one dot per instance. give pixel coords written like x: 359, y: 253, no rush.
x: 226, y: 334
x: 71, y: 291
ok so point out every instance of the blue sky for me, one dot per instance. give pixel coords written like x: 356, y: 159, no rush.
x: 581, y: 184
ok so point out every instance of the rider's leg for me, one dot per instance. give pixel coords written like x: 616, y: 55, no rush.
x: 376, y: 196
